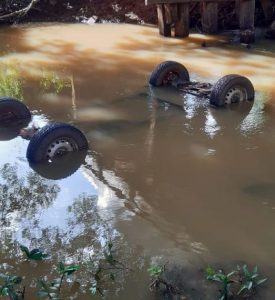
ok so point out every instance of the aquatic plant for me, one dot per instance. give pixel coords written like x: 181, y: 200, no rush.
x: 250, y: 280
x: 10, y: 83
x: 9, y: 287
x: 34, y: 254
x: 105, y: 270
x: 52, y: 289
x: 156, y: 271
x: 246, y: 281
x: 158, y: 280
x: 51, y: 80
x: 224, y: 279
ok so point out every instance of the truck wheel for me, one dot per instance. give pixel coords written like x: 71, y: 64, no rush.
x: 12, y: 110
x: 169, y: 73
x: 62, y: 168
x: 55, y: 140
x: 232, y: 89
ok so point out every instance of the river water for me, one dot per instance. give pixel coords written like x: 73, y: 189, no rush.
x: 186, y: 184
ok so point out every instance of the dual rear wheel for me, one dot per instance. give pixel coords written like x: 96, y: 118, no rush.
x: 227, y: 90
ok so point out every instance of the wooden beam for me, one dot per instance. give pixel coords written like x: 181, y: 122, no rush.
x: 164, y: 27
x: 174, y: 12
x: 237, y: 9
x: 268, y: 10
x: 148, y: 2
x: 182, y: 23
x: 168, y: 13
x: 209, y: 18
x: 247, y: 14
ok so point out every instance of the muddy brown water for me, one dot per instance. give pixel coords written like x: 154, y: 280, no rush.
x: 187, y: 184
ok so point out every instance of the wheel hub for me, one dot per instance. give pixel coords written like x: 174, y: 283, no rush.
x: 171, y: 78
x: 59, y: 147
x: 235, y: 95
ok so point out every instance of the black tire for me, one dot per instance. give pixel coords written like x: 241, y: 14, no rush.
x: 63, y: 168
x: 159, y: 75
x: 232, y: 89
x: 12, y: 110
x: 54, y: 140
x: 9, y: 133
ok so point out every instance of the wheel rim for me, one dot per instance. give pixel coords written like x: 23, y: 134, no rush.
x: 236, y: 94
x: 60, y: 147
x: 171, y: 78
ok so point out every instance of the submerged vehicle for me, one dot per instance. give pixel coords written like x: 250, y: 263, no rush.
x: 55, y: 140
x: 227, y: 90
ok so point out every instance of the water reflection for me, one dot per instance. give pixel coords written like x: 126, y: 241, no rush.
x: 22, y: 197
x: 211, y: 125
x: 62, y: 167
x: 167, y: 178
x: 210, y: 119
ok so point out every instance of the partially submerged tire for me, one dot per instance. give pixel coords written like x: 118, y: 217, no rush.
x: 62, y: 168
x: 13, y: 111
x: 232, y: 89
x: 169, y: 73
x: 54, y: 141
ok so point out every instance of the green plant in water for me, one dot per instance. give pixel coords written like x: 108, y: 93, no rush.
x: 50, y: 80
x: 9, y: 287
x: 250, y: 280
x: 52, y: 290
x: 156, y: 272
x: 10, y: 83
x: 105, y: 270
x: 224, y: 279
x: 34, y: 254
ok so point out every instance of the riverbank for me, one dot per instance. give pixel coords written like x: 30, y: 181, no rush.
x: 121, y: 11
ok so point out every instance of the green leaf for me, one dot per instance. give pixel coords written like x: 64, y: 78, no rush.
x: 245, y: 270
x: 68, y: 270
x: 261, y: 281
x: 37, y: 254
x: 243, y: 288
x: 93, y: 290
x: 249, y: 285
x: 156, y: 271
x: 5, y: 291
x: 210, y: 272
x: 231, y: 273
x: 25, y: 250
x: 61, y: 267
x: 34, y: 254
